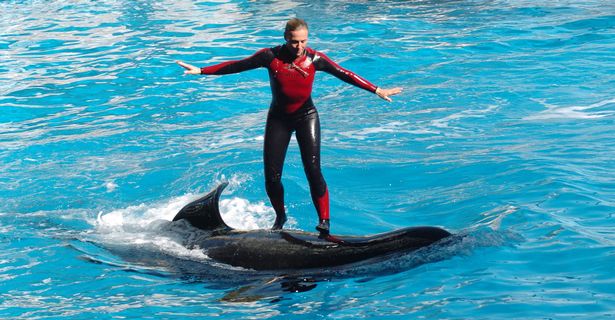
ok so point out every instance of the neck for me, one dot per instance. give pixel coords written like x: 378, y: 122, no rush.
x: 287, y: 55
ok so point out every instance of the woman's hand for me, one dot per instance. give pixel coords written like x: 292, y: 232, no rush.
x: 385, y: 93
x: 190, y: 69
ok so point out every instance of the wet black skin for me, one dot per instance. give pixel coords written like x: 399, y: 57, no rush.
x: 292, y: 249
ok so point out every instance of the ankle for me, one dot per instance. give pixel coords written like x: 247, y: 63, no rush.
x: 323, y: 226
x: 280, y: 220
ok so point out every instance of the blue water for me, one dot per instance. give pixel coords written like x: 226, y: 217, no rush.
x: 504, y: 133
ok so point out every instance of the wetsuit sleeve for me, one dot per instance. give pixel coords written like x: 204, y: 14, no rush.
x: 259, y: 59
x: 322, y: 62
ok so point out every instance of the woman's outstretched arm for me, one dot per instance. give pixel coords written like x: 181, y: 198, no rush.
x: 259, y: 59
x: 322, y: 62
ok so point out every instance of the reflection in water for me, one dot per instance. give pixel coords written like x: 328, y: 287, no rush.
x: 272, y: 289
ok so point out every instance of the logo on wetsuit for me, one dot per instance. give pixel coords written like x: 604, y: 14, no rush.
x: 305, y: 64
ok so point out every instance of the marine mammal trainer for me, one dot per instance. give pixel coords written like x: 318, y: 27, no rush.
x: 292, y: 69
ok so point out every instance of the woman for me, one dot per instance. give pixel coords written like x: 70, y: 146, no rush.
x: 292, y: 67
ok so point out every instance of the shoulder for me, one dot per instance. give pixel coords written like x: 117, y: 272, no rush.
x: 265, y: 51
x: 275, y: 50
x: 318, y: 58
x: 313, y: 53
x: 263, y: 56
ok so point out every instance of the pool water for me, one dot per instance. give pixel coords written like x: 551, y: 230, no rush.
x: 504, y: 134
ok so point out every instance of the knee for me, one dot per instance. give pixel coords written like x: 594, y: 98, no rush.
x: 273, y: 181
x: 313, y: 173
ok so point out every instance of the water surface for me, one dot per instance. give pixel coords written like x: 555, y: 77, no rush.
x: 504, y: 132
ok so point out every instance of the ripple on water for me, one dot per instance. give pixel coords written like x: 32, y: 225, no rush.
x: 503, y: 133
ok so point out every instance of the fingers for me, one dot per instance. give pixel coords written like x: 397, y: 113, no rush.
x: 184, y: 65
x: 391, y: 92
x: 394, y: 91
x: 385, y: 93
x: 190, y: 69
x: 384, y: 96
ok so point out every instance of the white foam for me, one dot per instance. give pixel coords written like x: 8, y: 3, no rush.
x: 433, y: 127
x: 555, y: 112
x: 493, y: 218
x: 140, y: 217
x: 239, y: 213
x: 144, y: 225
x: 470, y: 113
x: 234, y: 182
x: 364, y: 133
x: 111, y: 186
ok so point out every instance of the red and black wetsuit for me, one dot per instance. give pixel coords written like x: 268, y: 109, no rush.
x: 291, y: 110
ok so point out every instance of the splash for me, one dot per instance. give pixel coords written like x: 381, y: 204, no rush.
x: 148, y: 226
x: 239, y: 213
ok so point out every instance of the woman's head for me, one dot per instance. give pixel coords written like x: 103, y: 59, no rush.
x: 295, y: 24
x: 296, y: 35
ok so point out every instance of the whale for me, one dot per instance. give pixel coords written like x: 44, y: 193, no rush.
x: 264, y: 249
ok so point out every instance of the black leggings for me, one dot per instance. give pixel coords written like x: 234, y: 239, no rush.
x: 280, y: 127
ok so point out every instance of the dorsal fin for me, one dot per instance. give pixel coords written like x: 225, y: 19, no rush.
x: 204, y: 212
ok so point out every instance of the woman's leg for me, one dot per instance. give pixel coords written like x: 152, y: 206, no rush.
x: 277, y: 137
x: 308, y: 137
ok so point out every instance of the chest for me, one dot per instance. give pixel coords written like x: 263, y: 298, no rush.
x: 299, y: 71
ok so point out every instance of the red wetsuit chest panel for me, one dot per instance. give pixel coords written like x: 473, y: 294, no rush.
x: 291, y: 82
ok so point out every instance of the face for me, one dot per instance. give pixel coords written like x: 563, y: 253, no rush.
x: 296, y: 41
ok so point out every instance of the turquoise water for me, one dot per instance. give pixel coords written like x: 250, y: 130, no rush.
x: 504, y: 133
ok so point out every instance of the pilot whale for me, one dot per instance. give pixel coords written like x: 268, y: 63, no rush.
x: 292, y: 249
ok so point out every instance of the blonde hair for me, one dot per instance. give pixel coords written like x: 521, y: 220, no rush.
x: 294, y: 24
